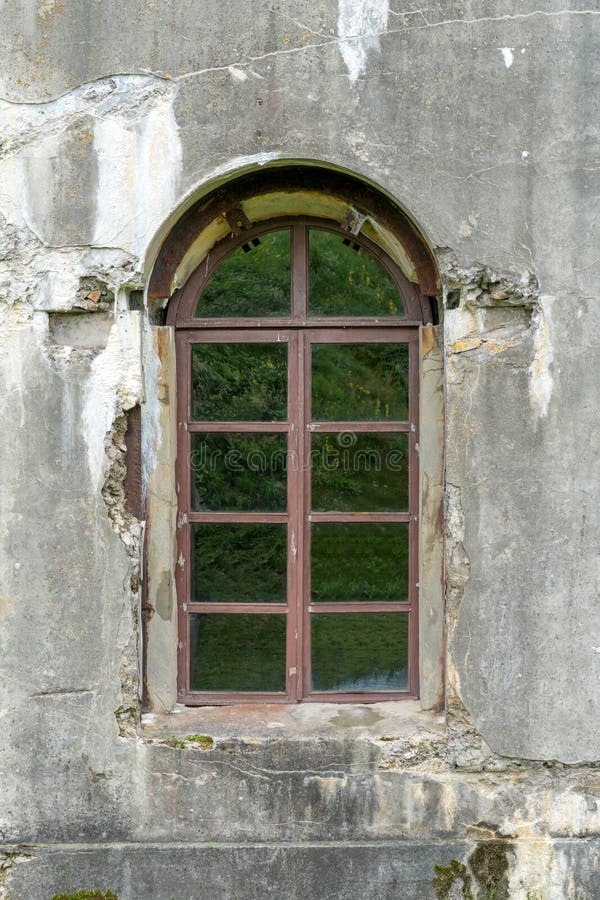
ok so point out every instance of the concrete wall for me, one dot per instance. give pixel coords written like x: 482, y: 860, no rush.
x: 479, y: 118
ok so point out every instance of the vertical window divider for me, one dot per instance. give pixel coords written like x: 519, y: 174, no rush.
x: 306, y: 491
x: 413, y: 506
x: 295, y: 519
x: 182, y: 565
x: 299, y: 272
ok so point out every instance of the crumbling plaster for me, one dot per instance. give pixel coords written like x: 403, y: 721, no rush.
x: 151, y: 106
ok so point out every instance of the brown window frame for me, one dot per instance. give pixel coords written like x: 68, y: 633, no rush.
x: 300, y: 331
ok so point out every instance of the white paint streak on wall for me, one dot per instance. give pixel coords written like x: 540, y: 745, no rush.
x: 115, y: 381
x: 541, y: 382
x: 139, y: 163
x: 360, y: 23
x: 507, y: 56
x: 159, y: 159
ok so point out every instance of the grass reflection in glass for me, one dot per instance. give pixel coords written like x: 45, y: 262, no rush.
x: 237, y: 652
x: 359, y: 562
x: 359, y: 382
x: 239, y: 382
x: 238, y: 563
x: 359, y: 472
x: 243, y: 472
x: 359, y: 652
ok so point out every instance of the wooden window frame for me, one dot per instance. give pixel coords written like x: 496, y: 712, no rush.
x: 300, y: 332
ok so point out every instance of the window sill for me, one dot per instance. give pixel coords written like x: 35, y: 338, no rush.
x: 388, y: 720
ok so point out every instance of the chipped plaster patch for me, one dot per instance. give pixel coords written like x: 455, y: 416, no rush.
x: 507, y: 56
x: 115, y: 381
x: 360, y: 23
x: 467, y: 225
x: 541, y: 382
x: 151, y: 432
x: 237, y: 74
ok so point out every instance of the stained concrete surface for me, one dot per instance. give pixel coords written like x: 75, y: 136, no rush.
x: 481, y: 119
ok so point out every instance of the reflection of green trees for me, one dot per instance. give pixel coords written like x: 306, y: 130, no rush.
x: 255, y: 282
x: 247, y: 653
x: 239, y: 563
x: 359, y: 472
x: 239, y: 382
x: 244, y: 472
x: 353, y: 382
x: 360, y: 561
x: 346, y: 282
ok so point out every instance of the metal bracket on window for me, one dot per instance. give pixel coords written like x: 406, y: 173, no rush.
x: 237, y: 220
x: 354, y: 221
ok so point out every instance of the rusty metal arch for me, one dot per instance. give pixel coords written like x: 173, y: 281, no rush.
x: 227, y: 200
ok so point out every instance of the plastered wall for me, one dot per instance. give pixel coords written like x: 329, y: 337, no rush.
x: 481, y: 120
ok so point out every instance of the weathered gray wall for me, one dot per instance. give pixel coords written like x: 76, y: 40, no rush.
x: 481, y: 119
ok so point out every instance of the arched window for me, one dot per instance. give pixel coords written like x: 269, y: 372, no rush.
x: 297, y: 475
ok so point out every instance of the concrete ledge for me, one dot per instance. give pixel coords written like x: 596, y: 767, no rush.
x: 262, y: 721
x: 385, y: 870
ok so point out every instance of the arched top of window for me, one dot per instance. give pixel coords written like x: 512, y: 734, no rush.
x: 297, y: 271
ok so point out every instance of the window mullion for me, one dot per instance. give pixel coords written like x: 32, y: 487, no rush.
x: 413, y: 506
x: 299, y: 267
x: 296, y: 552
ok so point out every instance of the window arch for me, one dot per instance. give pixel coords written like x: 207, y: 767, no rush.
x: 298, y: 425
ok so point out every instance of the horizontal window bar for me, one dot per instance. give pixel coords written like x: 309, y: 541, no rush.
x: 317, y: 322
x: 241, y: 517
x: 275, y: 608
x: 374, y: 425
x: 376, y: 334
x: 360, y: 606
x: 225, y: 698
x: 266, y: 427
x: 359, y: 517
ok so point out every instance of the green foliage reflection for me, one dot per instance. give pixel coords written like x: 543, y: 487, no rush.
x: 239, y: 563
x: 239, y: 382
x: 255, y: 282
x: 358, y: 562
x: 359, y: 472
x: 346, y: 282
x: 238, y: 652
x: 239, y: 472
x: 356, y: 382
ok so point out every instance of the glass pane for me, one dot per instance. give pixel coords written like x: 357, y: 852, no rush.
x: 345, y: 280
x: 353, y: 382
x: 236, y: 472
x: 239, y: 382
x: 359, y: 472
x: 253, y: 280
x: 354, y: 562
x: 360, y: 652
x: 237, y: 652
x: 238, y: 563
